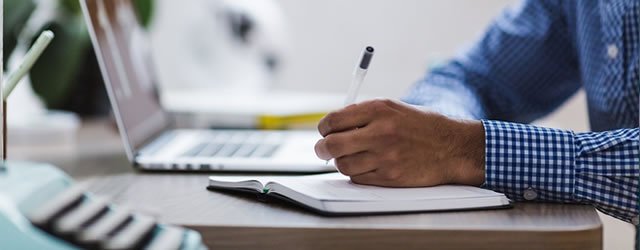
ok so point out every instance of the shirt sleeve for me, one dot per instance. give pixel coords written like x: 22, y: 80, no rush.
x: 523, y: 67
x: 533, y: 163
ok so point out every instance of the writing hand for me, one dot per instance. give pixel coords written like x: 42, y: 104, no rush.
x: 388, y: 143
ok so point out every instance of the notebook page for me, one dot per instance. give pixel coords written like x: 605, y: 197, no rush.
x: 335, y: 186
x: 224, y: 178
x: 251, y: 182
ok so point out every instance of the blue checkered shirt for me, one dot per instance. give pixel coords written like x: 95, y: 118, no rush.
x: 532, y: 58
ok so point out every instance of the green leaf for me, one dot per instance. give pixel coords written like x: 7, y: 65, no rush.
x: 16, y: 13
x: 54, y: 75
x: 145, y: 10
x: 72, y: 6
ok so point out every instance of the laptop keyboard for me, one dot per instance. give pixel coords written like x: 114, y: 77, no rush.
x: 236, y: 144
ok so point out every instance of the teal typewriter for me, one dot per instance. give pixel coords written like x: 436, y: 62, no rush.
x: 41, y: 208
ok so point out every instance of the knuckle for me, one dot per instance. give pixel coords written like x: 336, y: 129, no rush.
x: 391, y: 174
x: 388, y: 102
x: 318, y: 148
x: 378, y: 106
x: 328, y: 123
x: 368, y: 102
x: 393, y: 156
x: 375, y: 108
x: 344, y: 166
x: 383, y: 103
x: 333, y: 145
x: 388, y: 130
x: 358, y: 180
x: 391, y: 127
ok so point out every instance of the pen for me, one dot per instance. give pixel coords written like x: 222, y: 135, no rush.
x: 358, y: 75
x: 29, y: 59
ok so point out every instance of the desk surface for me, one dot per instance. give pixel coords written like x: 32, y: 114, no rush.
x: 241, y: 222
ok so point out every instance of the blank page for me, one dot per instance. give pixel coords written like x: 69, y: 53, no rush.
x: 337, y: 187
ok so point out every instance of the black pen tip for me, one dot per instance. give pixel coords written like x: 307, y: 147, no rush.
x: 366, y: 57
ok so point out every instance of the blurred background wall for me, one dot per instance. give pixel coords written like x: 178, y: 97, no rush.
x: 409, y: 35
x: 322, y: 41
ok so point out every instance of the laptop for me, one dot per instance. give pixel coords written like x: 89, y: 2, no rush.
x: 151, y: 141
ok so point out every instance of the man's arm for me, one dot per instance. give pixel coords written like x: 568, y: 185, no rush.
x: 397, y: 145
x: 522, y: 68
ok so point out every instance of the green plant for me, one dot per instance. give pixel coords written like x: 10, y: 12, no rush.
x: 65, y: 65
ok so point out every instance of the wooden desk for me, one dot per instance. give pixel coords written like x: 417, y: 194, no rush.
x: 237, y: 222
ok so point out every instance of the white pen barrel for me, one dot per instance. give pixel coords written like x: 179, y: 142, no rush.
x: 358, y: 75
x: 354, y: 87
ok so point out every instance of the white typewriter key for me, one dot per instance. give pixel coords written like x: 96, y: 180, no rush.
x: 99, y: 231
x: 74, y: 220
x: 58, y: 205
x: 168, y: 239
x: 132, y: 235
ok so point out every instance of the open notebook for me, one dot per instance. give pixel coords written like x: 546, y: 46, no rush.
x: 334, y: 193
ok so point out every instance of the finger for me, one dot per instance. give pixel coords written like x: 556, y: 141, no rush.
x: 356, y: 164
x: 344, y: 143
x: 369, y: 178
x: 348, y: 118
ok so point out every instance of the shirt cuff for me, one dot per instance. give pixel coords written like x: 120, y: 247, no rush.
x: 529, y: 163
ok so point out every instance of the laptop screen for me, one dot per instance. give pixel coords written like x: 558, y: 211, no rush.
x: 124, y: 56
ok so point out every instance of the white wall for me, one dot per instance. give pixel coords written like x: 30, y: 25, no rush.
x: 324, y: 40
x: 328, y: 36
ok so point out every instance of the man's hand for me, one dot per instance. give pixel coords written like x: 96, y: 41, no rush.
x: 388, y: 143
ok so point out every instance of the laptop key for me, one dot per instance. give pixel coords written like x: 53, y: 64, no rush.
x: 245, y: 150
x: 271, y: 151
x: 227, y: 150
x: 240, y: 137
x: 265, y: 151
x: 275, y: 138
x: 223, y: 136
x: 211, y: 150
x: 256, y: 138
x: 195, y: 150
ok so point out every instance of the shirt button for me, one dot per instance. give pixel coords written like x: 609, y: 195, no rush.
x: 530, y: 194
x: 612, y: 51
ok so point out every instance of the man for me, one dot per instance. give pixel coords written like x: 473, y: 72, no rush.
x: 530, y: 60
